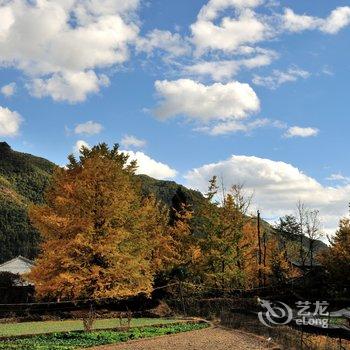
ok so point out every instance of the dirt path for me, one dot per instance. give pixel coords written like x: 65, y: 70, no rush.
x: 205, y: 339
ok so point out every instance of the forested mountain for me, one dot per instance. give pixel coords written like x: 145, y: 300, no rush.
x: 23, y: 179
x: 166, y: 190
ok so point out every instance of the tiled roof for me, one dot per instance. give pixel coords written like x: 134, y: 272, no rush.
x: 19, y: 265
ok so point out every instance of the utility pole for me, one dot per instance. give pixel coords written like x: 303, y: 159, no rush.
x: 260, y: 255
x: 264, y: 243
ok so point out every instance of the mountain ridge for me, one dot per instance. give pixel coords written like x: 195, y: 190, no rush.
x: 23, y: 179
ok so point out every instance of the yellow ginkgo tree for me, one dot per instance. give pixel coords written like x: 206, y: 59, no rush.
x: 100, y: 238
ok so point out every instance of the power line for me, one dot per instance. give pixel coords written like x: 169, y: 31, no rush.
x: 81, y: 301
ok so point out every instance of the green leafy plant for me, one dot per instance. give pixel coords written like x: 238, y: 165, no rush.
x: 75, y: 340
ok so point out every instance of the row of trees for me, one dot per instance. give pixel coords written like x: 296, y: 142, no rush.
x: 337, y: 259
x: 102, y: 239
x: 229, y: 249
x: 300, y: 234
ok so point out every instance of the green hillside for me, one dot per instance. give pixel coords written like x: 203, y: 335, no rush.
x: 165, y: 191
x: 23, y: 178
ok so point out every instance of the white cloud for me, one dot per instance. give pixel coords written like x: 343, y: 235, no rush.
x: 88, y: 128
x: 297, y: 131
x: 151, y: 167
x: 52, y: 41
x: 246, y: 127
x: 79, y: 145
x: 212, y: 9
x: 230, y: 33
x: 263, y: 59
x: 338, y: 177
x: 277, y: 187
x: 9, y: 89
x: 226, y: 69
x: 145, y: 164
x: 337, y: 20
x: 278, y: 77
x: 231, y: 127
x: 327, y: 70
x: 227, y: 25
x: 217, y: 70
x: 69, y: 86
x: 10, y: 122
x: 205, y: 103
x: 172, y: 43
x: 7, y: 20
x: 132, y: 141
x: 298, y: 23
x: 56, y: 39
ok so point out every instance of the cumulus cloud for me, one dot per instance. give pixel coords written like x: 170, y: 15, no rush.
x: 172, y: 43
x: 10, y: 122
x: 62, y: 46
x: 55, y: 41
x: 297, y: 131
x: 278, y: 77
x: 79, y: 145
x: 132, y: 141
x: 217, y: 70
x: 230, y: 33
x: 337, y: 20
x: 212, y: 9
x: 298, y: 23
x: 227, y: 25
x: 151, y: 167
x: 277, y: 187
x: 88, y: 128
x: 145, y: 164
x: 9, y: 89
x: 205, y: 103
x: 226, y: 69
x: 69, y: 86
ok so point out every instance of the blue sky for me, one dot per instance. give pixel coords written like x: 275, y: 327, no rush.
x: 255, y: 91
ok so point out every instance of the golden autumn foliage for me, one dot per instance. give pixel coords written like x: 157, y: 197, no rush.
x: 337, y: 258
x: 219, y: 229
x: 275, y: 267
x: 186, y: 245
x: 248, y: 246
x: 100, y: 238
x: 225, y: 249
